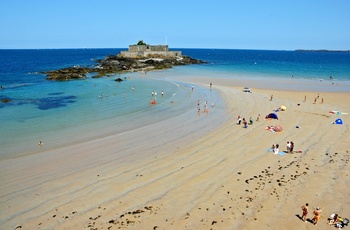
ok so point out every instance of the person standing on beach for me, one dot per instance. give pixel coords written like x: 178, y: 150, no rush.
x: 276, y: 150
x: 251, y: 121
x: 317, y: 214
x: 288, y: 147
x: 258, y: 117
x: 305, y: 98
x: 305, y: 211
x: 239, y: 120
x: 271, y: 97
x: 291, y: 146
x: 245, y: 123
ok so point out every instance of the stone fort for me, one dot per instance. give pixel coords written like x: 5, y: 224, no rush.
x: 149, y: 51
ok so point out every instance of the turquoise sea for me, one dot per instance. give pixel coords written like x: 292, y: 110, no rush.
x: 60, y: 112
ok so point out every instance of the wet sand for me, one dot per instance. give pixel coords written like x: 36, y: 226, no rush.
x: 226, y: 179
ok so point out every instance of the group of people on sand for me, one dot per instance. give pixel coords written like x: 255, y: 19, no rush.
x: 317, y: 211
x: 275, y: 148
x: 335, y: 219
x: 290, y: 146
x: 316, y: 98
x: 245, y: 122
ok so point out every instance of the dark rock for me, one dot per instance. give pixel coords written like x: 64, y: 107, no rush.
x: 116, y: 64
x: 68, y: 73
x: 5, y: 100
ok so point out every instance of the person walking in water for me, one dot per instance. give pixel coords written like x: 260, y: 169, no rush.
x: 305, y: 210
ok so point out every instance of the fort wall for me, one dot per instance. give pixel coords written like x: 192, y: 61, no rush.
x: 149, y: 50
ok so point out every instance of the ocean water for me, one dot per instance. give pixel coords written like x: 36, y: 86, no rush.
x: 281, y: 64
x: 59, y: 112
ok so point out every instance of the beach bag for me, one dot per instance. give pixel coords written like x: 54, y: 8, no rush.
x: 346, y: 221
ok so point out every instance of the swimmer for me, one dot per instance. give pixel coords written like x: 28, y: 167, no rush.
x: 40, y: 143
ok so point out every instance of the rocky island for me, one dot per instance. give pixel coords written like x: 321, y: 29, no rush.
x: 139, y: 57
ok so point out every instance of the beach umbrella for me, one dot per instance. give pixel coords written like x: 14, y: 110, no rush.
x: 272, y: 116
x: 277, y: 128
x: 339, y: 121
x: 283, y: 108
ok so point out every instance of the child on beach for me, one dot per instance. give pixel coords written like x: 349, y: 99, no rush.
x: 239, y: 120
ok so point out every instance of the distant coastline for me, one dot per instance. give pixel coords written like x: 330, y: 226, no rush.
x: 338, y: 51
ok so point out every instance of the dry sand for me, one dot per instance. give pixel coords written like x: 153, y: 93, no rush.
x: 224, y: 180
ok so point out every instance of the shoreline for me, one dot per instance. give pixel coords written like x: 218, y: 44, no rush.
x: 224, y: 179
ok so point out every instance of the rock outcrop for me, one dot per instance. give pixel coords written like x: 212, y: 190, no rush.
x: 117, y: 64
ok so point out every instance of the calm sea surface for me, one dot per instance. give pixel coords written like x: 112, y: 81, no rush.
x: 41, y: 109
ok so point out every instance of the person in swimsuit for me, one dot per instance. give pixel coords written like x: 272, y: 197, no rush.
x: 305, y: 211
x: 334, y: 220
x: 40, y: 143
x: 317, y: 215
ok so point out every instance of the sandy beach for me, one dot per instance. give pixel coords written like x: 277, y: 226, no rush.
x: 223, y: 179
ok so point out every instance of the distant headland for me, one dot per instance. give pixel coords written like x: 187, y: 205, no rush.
x: 139, y: 57
x: 321, y: 50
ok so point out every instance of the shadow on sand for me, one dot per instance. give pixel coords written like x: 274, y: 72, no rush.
x: 307, y: 220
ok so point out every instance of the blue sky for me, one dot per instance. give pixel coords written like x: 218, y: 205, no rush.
x: 231, y: 24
